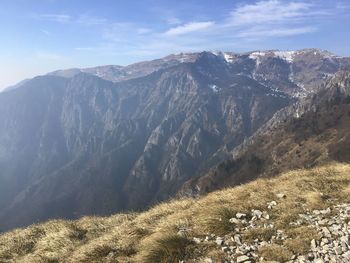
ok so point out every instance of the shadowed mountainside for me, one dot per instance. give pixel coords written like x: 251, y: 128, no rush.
x: 308, y: 133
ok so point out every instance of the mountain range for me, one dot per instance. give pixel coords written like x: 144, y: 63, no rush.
x: 101, y: 140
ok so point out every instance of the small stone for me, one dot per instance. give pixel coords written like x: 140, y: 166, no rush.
x: 234, y: 221
x: 338, y: 250
x: 310, y: 256
x: 326, y: 232
x: 345, y: 239
x: 281, y: 195
x: 197, y: 240
x: 240, y: 215
x: 313, y: 244
x: 324, y: 241
x: 243, y: 258
x: 219, y: 241
x: 271, y: 204
x: 232, y: 248
x: 265, y: 215
x: 257, y: 213
x: 237, y: 239
x: 224, y: 249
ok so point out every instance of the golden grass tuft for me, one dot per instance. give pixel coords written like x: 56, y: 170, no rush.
x: 258, y: 233
x: 216, y: 220
x: 143, y: 237
x: 300, y: 239
x: 164, y: 248
x: 275, y: 253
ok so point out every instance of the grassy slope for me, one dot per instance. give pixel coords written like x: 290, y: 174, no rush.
x: 153, y: 236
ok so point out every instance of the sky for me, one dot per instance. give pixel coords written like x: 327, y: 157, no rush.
x: 39, y: 36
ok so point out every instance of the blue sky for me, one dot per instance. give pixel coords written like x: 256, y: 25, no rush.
x: 38, y: 36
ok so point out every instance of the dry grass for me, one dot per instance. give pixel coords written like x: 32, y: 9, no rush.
x: 258, y: 233
x: 300, y: 239
x: 152, y: 236
x: 275, y: 253
x: 165, y: 247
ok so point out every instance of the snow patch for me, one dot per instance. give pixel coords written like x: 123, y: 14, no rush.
x: 214, y: 88
x: 257, y: 55
x: 184, y: 58
x: 285, y: 55
x: 228, y: 58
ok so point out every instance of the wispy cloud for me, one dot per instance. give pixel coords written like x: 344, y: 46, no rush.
x: 242, y: 26
x: 84, y: 19
x: 189, y: 28
x: 60, y: 18
x: 275, y: 18
x: 88, y: 20
x: 45, y: 32
x: 276, y: 32
x: 270, y: 11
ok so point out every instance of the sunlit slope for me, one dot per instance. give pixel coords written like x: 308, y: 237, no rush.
x: 192, y: 229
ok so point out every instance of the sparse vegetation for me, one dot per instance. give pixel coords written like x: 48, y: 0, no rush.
x: 258, y: 233
x: 164, y: 247
x: 300, y: 238
x: 165, y: 233
x: 275, y: 253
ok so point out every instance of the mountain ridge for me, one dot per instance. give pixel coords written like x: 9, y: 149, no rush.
x: 132, y: 143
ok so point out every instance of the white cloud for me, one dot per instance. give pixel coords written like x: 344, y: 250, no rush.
x: 91, y: 20
x: 60, y: 18
x: 268, y: 12
x: 189, y: 28
x: 242, y: 29
x: 276, y: 32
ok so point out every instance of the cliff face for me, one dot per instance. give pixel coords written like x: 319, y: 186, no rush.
x: 82, y: 142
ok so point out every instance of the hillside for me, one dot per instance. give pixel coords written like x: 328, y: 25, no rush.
x: 310, y: 132
x: 300, y: 215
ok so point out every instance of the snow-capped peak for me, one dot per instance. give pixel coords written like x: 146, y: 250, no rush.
x: 285, y: 55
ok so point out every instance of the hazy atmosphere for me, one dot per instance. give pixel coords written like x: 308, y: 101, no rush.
x: 44, y: 35
x: 175, y: 131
